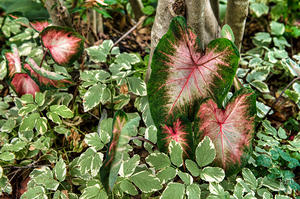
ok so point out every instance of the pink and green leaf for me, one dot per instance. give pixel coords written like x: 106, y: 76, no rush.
x: 13, y: 61
x: 226, y: 32
x: 43, y: 72
x: 64, y: 45
x: 39, y: 25
x: 182, y: 75
x: 45, y: 82
x: 230, y: 129
x: 112, y: 163
x: 23, y: 84
x: 179, y: 131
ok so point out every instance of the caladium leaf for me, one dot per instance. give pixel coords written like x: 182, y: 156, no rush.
x: 230, y: 129
x: 226, y: 32
x: 23, y: 84
x: 43, y: 72
x: 65, y: 45
x: 182, y: 74
x: 45, y: 79
x: 39, y: 25
x: 120, y: 138
x: 178, y: 131
x: 13, y: 61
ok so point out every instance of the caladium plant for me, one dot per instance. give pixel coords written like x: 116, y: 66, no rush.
x: 64, y: 45
x: 182, y: 74
x: 230, y: 129
x: 183, y: 78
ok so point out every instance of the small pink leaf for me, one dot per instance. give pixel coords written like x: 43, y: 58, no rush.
x: 23, y: 84
x: 64, y: 45
x: 39, y: 25
x: 13, y: 60
x: 230, y: 129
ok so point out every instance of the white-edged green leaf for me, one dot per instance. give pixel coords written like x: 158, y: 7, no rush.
x: 249, y: 178
x: 39, y: 98
x: 41, y: 125
x: 158, y: 160
x: 94, y: 192
x: 7, y: 156
x: 278, y: 196
x: 205, y: 152
x: 173, y: 190
x: 128, y: 167
x: 259, y: 9
x: 137, y: 86
x: 54, y: 117
x: 94, y: 95
x: 93, y: 140
x: 28, y: 123
x: 185, y: 177
x: 44, y: 176
x: 192, y: 167
x: 61, y: 110
x: 128, y: 187
x: 37, y: 192
x: 166, y: 174
x: 212, y: 174
x: 146, y: 181
x: 90, y: 162
x: 277, y: 28
x: 193, y: 191
x: 28, y: 108
x: 60, y: 170
x: 8, y: 126
x: 176, y: 153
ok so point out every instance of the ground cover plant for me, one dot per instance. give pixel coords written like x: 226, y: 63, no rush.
x: 78, y: 120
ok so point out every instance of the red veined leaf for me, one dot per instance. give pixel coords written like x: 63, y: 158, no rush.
x: 179, y: 131
x: 65, y: 45
x: 182, y: 74
x: 13, y: 61
x: 43, y: 72
x: 231, y: 129
x: 39, y: 25
x: 23, y: 84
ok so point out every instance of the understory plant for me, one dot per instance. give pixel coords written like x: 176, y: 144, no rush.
x: 186, y: 94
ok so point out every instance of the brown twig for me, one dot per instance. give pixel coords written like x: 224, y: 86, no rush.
x: 145, y: 140
x: 277, y: 99
x: 141, y: 20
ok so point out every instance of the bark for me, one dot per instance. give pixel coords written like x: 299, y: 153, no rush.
x: 162, y: 20
x: 196, y: 17
x: 212, y: 28
x: 215, y: 7
x: 58, y: 12
x: 137, y: 7
x: 236, y: 14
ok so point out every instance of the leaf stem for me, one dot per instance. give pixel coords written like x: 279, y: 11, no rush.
x: 44, y: 56
x: 277, y: 99
x: 145, y: 140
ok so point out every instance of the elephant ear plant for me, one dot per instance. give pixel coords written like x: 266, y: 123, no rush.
x: 26, y: 76
x: 186, y: 94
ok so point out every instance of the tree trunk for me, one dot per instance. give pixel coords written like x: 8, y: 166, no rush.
x: 58, y: 12
x: 236, y: 14
x: 137, y: 7
x: 215, y: 7
x: 162, y: 20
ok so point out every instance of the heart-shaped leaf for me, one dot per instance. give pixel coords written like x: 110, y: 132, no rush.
x: 65, y: 45
x: 23, y: 84
x: 230, y: 129
x: 13, y: 61
x: 226, y: 32
x: 46, y: 79
x: 182, y: 74
x: 39, y: 25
